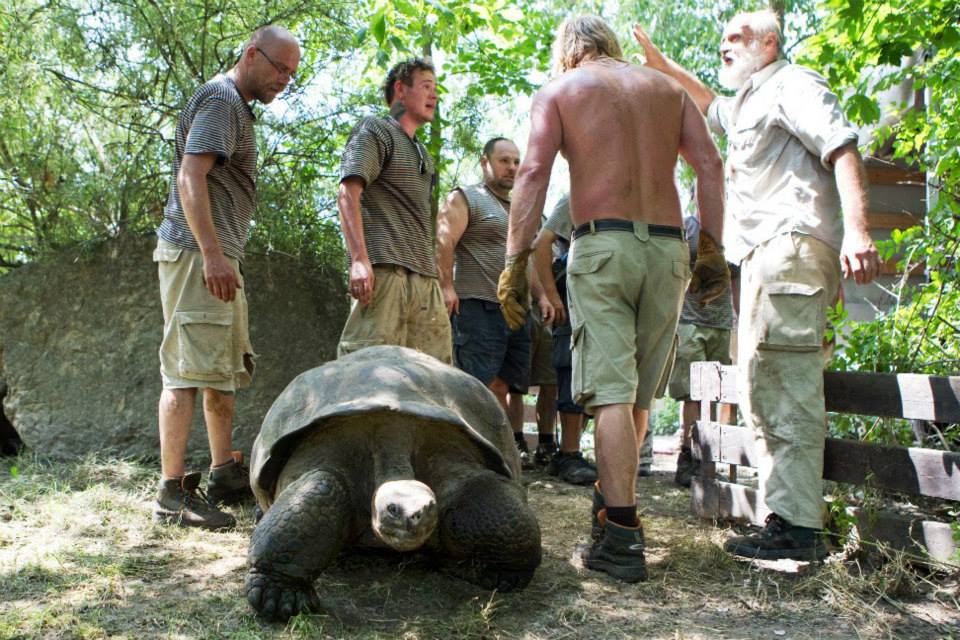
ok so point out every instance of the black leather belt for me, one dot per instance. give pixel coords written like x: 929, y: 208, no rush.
x: 596, y: 226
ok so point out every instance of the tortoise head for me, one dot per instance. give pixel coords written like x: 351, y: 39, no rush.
x: 404, y: 513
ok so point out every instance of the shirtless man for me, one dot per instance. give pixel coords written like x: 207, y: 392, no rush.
x: 621, y: 128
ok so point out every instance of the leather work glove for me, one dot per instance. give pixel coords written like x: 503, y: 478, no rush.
x: 513, y: 289
x: 711, y: 276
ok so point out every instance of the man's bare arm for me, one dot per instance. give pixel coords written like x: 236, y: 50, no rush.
x: 858, y: 254
x: 700, y: 152
x: 530, y: 190
x: 551, y: 306
x: 218, y: 274
x: 351, y: 221
x: 452, y: 221
x: 701, y: 93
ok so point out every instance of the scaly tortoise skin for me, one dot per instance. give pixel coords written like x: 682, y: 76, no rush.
x: 386, y: 446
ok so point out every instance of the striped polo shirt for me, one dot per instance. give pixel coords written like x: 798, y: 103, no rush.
x: 216, y: 120
x: 398, y: 176
x: 480, y: 254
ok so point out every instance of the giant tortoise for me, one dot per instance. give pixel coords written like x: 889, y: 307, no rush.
x: 386, y: 446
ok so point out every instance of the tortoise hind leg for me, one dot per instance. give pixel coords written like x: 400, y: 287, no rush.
x: 489, y: 533
x: 300, y: 534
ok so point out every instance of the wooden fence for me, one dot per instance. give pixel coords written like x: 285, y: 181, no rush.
x: 914, y: 471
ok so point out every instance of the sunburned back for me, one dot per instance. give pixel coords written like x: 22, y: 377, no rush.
x: 621, y: 132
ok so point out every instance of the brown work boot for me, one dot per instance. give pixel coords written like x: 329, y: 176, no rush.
x: 180, y: 501
x: 230, y: 482
x: 619, y: 552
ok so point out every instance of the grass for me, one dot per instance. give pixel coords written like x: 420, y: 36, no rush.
x: 80, y: 559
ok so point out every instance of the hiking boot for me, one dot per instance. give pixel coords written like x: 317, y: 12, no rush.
x: 526, y: 462
x: 619, y: 552
x: 544, y: 454
x: 181, y: 501
x: 229, y: 483
x: 596, y: 529
x: 687, y: 467
x: 572, y: 468
x: 644, y: 470
x: 778, y: 540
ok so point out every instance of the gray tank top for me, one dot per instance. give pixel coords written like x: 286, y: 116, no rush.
x: 480, y: 254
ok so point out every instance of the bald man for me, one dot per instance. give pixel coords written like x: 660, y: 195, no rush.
x: 206, y: 343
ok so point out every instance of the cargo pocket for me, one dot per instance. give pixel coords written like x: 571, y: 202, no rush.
x: 167, y: 254
x: 588, y: 263
x: 682, y: 270
x: 206, y: 345
x: 792, y: 317
x: 578, y: 340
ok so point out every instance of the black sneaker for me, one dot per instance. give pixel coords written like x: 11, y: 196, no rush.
x: 644, y: 470
x: 526, y: 462
x: 687, y: 467
x: 544, y: 454
x: 180, y: 501
x: 229, y: 483
x: 778, y: 540
x: 572, y: 468
x: 619, y: 552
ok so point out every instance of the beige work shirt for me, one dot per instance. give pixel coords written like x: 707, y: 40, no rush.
x: 782, y: 127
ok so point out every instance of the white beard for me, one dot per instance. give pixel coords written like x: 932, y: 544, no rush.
x: 745, y: 63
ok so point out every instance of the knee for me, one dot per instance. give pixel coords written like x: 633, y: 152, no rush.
x: 174, y: 401
x: 218, y: 402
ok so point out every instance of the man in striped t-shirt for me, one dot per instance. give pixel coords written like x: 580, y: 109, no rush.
x: 386, y: 178
x: 206, y: 343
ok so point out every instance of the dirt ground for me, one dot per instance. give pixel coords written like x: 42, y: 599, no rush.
x: 79, y: 558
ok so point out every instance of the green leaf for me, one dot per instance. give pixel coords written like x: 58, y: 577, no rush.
x: 378, y: 26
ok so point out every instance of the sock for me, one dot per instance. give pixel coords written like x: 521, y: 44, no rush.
x: 623, y: 516
x: 545, y: 438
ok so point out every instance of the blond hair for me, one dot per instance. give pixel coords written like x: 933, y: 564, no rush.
x: 583, y: 37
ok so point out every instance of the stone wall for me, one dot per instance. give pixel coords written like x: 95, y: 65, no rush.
x: 80, y: 331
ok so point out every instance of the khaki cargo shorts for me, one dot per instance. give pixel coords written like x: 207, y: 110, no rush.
x: 696, y: 344
x: 541, y: 351
x: 407, y: 310
x: 206, y: 342
x: 626, y: 290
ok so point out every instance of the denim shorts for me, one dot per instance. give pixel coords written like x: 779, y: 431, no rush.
x: 486, y: 348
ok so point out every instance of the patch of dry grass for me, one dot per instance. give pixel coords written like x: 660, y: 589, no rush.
x: 80, y: 558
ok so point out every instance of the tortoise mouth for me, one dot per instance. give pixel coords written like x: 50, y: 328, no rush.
x: 404, y: 514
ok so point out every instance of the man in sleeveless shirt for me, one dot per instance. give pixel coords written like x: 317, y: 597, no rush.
x: 621, y: 128
x: 200, y: 246
x: 386, y: 179
x: 471, y: 244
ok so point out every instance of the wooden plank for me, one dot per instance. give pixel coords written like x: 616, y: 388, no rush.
x: 913, y: 535
x: 886, y: 173
x: 714, y: 382
x: 725, y: 443
x: 729, y: 501
x: 887, y: 220
x: 925, y: 472
x: 704, y: 497
x: 905, y: 395
x: 923, y: 538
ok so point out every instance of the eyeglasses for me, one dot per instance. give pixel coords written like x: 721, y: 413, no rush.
x: 281, y: 69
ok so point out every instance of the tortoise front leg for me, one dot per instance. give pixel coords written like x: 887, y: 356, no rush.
x: 490, y: 533
x: 300, y: 534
